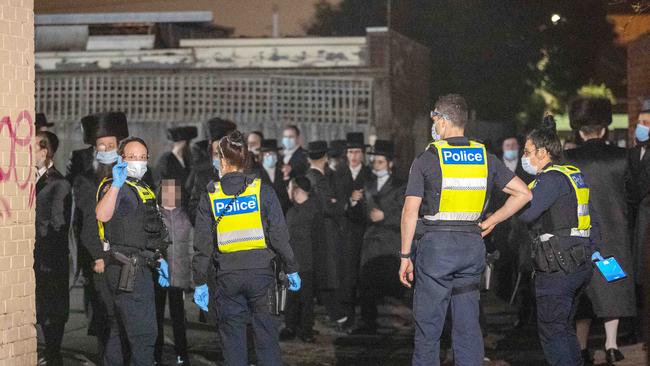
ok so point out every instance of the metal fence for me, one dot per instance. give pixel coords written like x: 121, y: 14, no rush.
x: 324, y: 107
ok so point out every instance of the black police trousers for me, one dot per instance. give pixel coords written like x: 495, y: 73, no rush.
x: 242, y: 295
x: 557, y: 295
x: 133, y: 319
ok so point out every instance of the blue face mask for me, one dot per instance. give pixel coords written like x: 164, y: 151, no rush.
x: 106, y: 157
x: 216, y: 163
x: 642, y: 133
x: 525, y: 163
x: 510, y: 154
x: 289, y: 143
x: 269, y: 161
x: 434, y: 133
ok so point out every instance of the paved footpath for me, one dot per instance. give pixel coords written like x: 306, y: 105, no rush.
x: 505, y: 345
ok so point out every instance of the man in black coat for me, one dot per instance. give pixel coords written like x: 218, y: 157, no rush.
x: 103, y: 131
x: 381, y: 210
x: 350, y: 181
x: 639, y: 188
x: 177, y: 163
x: 53, y: 203
x: 294, y: 156
x: 205, y: 171
x: 606, y: 173
x: 327, y: 267
x: 271, y: 172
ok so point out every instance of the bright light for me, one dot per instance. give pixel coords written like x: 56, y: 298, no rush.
x: 555, y: 18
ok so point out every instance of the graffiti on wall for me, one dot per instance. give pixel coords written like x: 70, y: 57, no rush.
x: 20, y: 135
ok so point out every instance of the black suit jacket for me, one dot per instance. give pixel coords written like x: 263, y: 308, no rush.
x: 299, y: 163
x: 278, y: 185
x: 80, y: 161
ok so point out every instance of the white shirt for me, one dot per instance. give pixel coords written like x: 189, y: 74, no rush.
x: 355, y: 171
x: 288, y: 154
x: 179, y: 158
x: 511, y: 164
x: 41, y: 172
x: 271, y: 173
x: 382, y: 181
x: 642, y: 152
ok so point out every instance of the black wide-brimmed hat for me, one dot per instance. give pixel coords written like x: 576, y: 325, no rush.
x: 41, y: 121
x: 269, y: 145
x: 337, y: 148
x: 317, y: 149
x: 218, y: 128
x: 182, y: 133
x: 383, y: 147
x: 585, y: 111
x: 53, y: 140
x: 303, y: 183
x: 355, y: 140
x: 105, y: 124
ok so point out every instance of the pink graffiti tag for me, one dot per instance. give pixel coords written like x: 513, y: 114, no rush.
x: 10, y: 174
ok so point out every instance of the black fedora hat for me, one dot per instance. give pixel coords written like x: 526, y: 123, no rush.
x: 317, y: 149
x: 218, y: 128
x: 269, y: 145
x: 383, y: 147
x: 41, y: 121
x: 337, y: 148
x: 355, y: 140
x: 182, y: 133
x: 585, y: 111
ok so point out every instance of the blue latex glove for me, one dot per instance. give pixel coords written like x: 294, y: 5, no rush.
x: 163, y: 273
x: 119, y: 173
x: 294, y: 281
x: 597, y: 257
x: 201, y: 297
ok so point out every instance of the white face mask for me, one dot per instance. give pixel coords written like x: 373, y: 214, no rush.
x: 434, y: 133
x: 136, y: 169
x: 380, y: 173
x: 525, y: 163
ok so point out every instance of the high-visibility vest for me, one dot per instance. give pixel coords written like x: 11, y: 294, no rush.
x: 240, y: 228
x: 581, y: 190
x: 144, y: 192
x: 464, y: 181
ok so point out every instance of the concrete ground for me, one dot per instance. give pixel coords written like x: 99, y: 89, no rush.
x: 505, y: 345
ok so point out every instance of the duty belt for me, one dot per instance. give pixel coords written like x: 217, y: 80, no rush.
x: 450, y: 226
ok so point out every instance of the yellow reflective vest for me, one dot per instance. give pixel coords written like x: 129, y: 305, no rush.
x: 464, y: 181
x: 582, y: 196
x: 240, y: 227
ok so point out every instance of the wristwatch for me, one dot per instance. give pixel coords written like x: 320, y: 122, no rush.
x: 405, y: 255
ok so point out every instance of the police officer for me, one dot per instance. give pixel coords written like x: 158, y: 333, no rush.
x: 565, y: 228
x: 132, y: 232
x: 454, y: 177
x: 239, y: 229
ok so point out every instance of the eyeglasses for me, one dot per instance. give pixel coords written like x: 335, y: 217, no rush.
x: 528, y: 152
x: 136, y: 157
x: 441, y: 115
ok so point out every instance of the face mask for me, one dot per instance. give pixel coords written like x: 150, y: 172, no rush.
x: 510, y: 154
x: 642, y: 133
x: 136, y: 169
x: 270, y: 161
x: 525, y: 163
x: 434, y: 134
x: 106, y: 157
x: 380, y: 173
x: 288, y: 142
x: 216, y: 163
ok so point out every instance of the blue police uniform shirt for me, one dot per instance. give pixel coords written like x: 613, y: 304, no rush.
x: 425, y: 177
x: 127, y: 201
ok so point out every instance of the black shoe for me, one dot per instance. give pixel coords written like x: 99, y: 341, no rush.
x: 287, y: 334
x: 613, y: 355
x: 587, y: 358
x: 363, y: 330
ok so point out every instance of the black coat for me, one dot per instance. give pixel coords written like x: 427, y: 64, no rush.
x: 196, y: 185
x: 278, y: 185
x: 382, y: 238
x: 53, y: 202
x: 168, y: 167
x: 84, y: 191
x: 606, y: 172
x: 299, y: 163
x: 328, y: 252
x: 639, y: 195
x: 80, y: 161
x: 306, y: 229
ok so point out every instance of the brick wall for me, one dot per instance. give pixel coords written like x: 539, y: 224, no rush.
x: 17, y: 332
x: 638, y: 75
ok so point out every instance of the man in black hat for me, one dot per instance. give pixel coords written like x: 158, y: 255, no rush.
x: 381, y: 210
x: 294, y: 156
x: 51, y: 247
x: 103, y: 131
x: 271, y: 172
x: 177, y: 163
x: 41, y: 124
x: 81, y: 160
x: 206, y: 170
x: 327, y: 268
x: 606, y: 171
x: 336, y: 154
x: 350, y: 181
